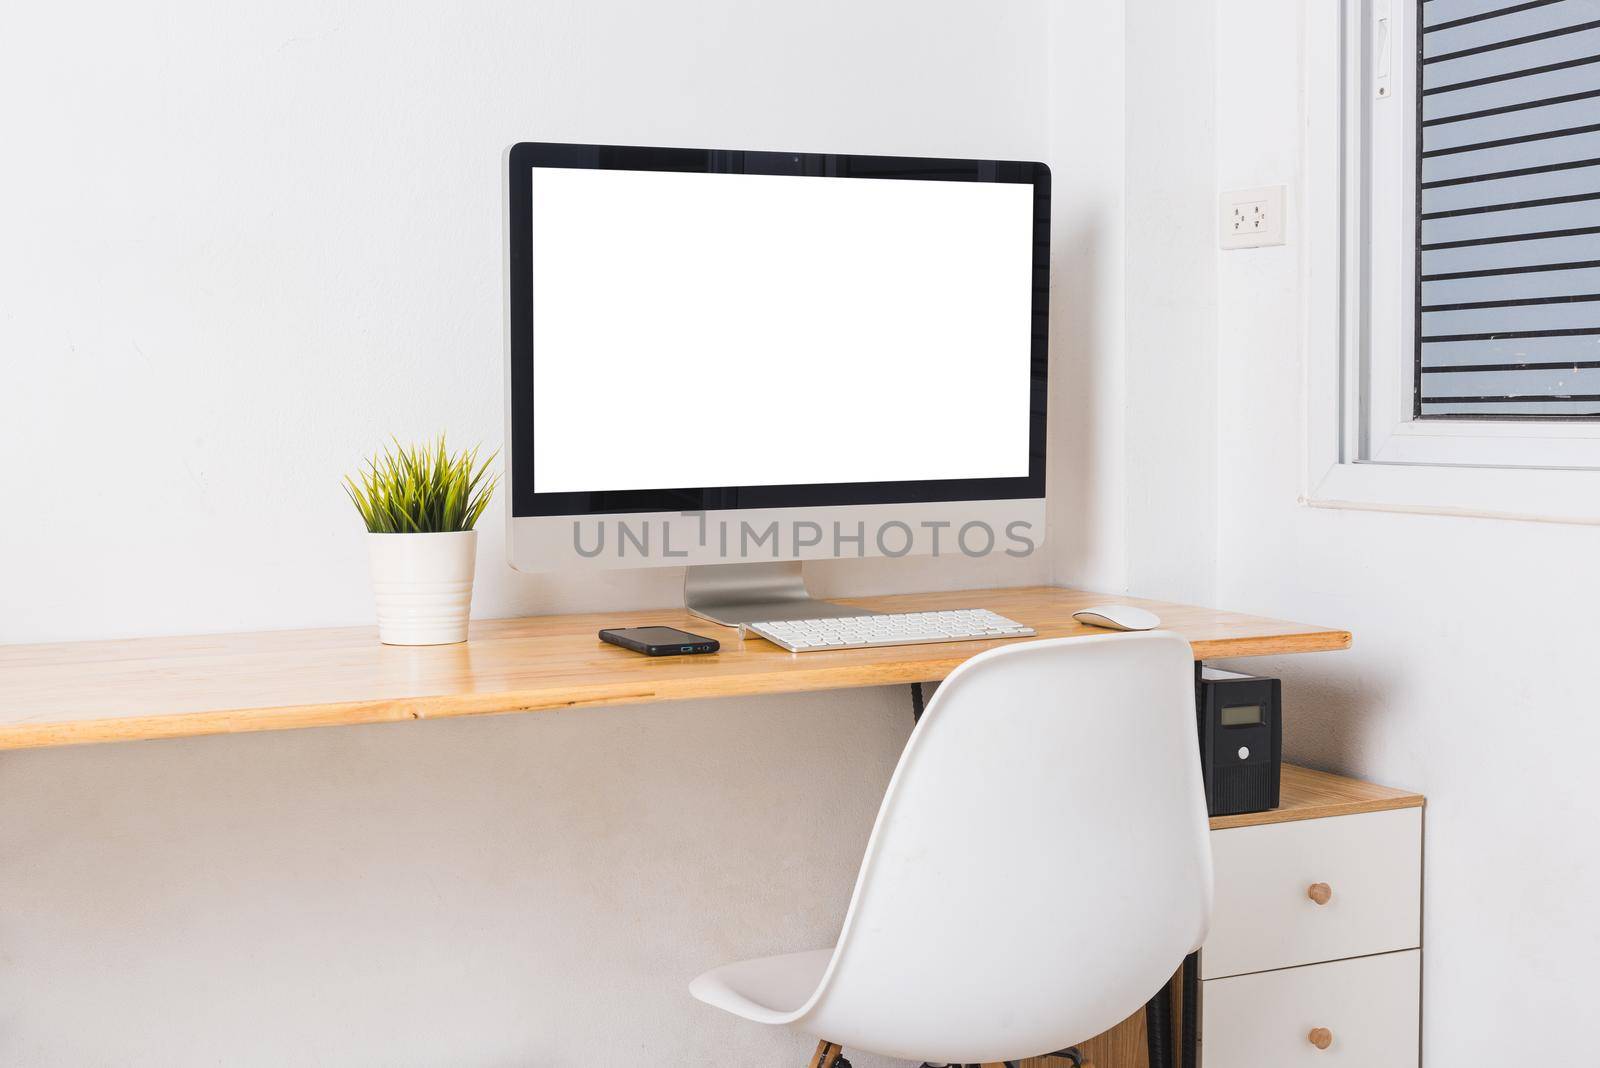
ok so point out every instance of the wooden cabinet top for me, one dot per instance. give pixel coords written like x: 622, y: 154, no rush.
x: 1308, y: 795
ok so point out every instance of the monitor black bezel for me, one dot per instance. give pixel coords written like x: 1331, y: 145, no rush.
x: 525, y: 502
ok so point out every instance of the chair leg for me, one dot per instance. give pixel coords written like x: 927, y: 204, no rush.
x: 828, y: 1055
x: 1158, y: 1028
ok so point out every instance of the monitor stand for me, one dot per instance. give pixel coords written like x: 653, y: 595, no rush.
x: 736, y: 594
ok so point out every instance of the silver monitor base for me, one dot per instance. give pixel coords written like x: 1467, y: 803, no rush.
x: 736, y: 594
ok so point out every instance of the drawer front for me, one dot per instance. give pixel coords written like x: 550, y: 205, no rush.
x: 1367, y: 1011
x: 1267, y: 914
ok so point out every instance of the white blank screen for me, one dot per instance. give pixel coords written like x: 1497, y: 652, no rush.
x: 702, y: 330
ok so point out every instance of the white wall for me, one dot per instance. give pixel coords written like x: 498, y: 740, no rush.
x: 1088, y: 337
x: 243, y: 246
x: 256, y: 243
x: 1470, y: 677
x: 515, y: 890
x: 1171, y: 430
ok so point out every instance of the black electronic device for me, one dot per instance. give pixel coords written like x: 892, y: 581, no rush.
x: 659, y: 641
x: 1241, y: 740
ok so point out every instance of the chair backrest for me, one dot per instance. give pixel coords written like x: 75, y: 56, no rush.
x: 1041, y: 863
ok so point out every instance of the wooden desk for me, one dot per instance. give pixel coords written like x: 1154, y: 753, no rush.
x: 110, y: 691
x: 82, y: 692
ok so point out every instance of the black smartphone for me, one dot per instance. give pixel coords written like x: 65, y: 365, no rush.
x: 659, y: 641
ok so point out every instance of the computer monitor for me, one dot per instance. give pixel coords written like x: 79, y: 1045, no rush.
x: 736, y: 361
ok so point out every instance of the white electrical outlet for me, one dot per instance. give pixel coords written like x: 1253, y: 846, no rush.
x: 1252, y: 217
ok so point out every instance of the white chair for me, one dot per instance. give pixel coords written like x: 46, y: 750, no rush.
x: 1040, y: 866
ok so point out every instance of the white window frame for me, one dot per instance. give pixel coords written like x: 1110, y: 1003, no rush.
x: 1364, y: 449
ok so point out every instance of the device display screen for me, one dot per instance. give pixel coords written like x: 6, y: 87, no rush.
x: 728, y: 329
x: 1241, y: 715
x: 659, y: 635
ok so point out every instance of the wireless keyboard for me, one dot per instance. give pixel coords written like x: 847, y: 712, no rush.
x: 908, y: 628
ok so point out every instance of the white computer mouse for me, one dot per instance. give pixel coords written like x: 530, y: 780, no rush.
x: 1118, y: 617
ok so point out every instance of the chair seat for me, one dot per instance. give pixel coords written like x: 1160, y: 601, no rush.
x: 769, y: 990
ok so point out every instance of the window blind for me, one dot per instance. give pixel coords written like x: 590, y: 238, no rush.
x: 1508, y: 229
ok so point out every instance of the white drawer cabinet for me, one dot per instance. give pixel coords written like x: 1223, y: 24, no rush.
x: 1367, y: 874
x: 1313, y: 957
x: 1364, y: 1009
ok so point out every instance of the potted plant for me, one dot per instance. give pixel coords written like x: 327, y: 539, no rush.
x: 420, y: 503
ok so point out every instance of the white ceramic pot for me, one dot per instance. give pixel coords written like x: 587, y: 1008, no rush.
x: 423, y: 586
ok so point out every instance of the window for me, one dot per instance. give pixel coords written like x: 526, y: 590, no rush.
x: 1452, y: 230
x: 1508, y: 186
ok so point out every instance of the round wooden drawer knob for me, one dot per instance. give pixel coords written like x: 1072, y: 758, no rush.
x: 1321, y: 893
x: 1320, y: 1037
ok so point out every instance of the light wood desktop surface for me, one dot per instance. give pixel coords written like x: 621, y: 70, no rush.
x: 106, y: 691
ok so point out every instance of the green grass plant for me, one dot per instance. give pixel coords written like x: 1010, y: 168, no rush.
x: 422, y: 488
